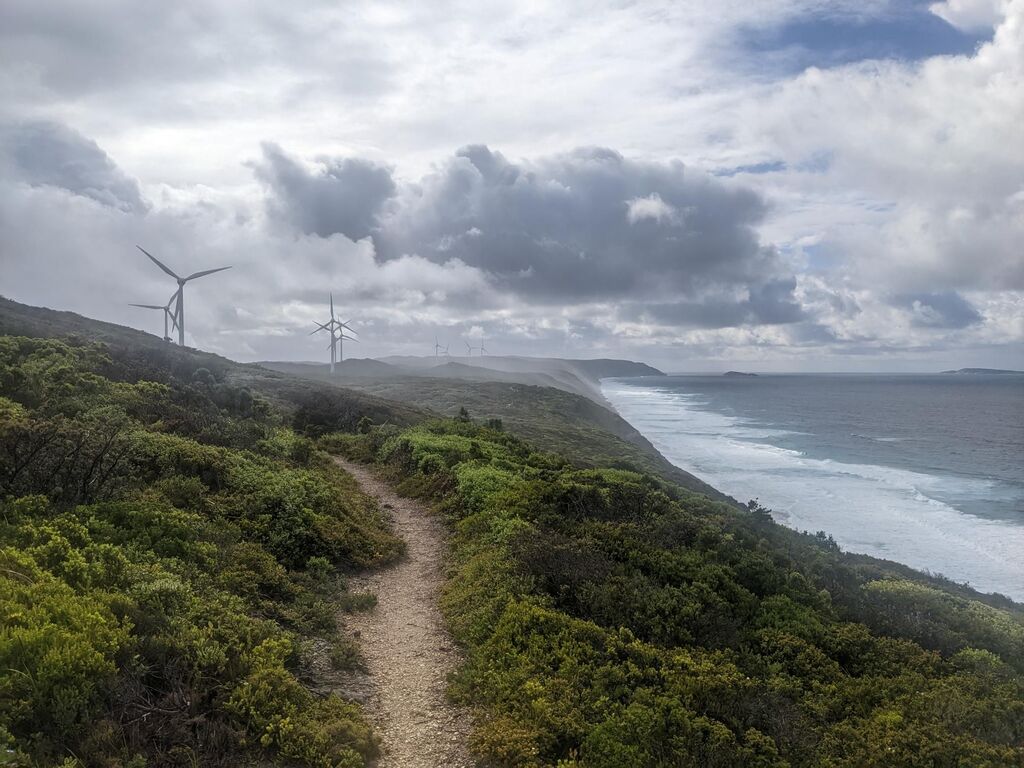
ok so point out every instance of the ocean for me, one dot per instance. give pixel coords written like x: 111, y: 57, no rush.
x: 927, y: 470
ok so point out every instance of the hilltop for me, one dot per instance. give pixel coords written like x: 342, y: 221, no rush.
x: 578, y: 376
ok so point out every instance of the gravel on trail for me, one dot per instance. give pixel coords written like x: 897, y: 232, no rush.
x: 407, y: 648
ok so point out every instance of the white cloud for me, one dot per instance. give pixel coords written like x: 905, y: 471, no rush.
x: 650, y: 207
x: 970, y: 15
x: 900, y: 177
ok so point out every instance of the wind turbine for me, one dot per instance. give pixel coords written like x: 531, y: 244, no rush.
x: 179, y: 295
x: 168, y: 315
x: 337, y: 330
x: 438, y: 347
x: 483, y: 349
x: 469, y: 349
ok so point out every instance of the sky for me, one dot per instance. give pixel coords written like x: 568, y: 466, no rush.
x: 765, y: 185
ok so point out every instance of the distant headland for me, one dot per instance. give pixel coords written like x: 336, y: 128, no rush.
x: 983, y: 370
x: 739, y: 373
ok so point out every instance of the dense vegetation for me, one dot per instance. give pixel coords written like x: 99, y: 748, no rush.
x: 612, y: 620
x: 573, y: 426
x: 169, y: 550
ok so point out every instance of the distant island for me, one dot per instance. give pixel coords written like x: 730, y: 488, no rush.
x: 739, y: 373
x: 983, y: 370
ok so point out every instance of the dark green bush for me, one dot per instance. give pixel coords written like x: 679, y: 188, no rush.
x: 164, y: 547
x: 612, y: 621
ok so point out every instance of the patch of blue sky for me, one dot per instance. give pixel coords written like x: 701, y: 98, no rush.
x: 907, y: 31
x: 820, y: 258
x: 769, y: 166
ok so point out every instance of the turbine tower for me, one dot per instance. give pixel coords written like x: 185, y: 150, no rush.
x: 337, y: 330
x: 179, y: 295
x: 168, y: 315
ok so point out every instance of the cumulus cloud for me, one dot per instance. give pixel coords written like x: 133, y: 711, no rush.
x: 970, y: 15
x: 861, y: 197
x: 650, y: 207
x: 568, y: 228
x: 341, y: 196
x: 924, y: 158
x: 48, y: 153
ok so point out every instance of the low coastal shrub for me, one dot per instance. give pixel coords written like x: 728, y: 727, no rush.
x: 610, y: 620
x: 167, y: 550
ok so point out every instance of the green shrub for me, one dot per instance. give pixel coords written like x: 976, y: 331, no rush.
x: 609, y: 620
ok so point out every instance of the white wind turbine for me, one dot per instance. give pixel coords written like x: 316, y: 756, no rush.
x: 469, y: 349
x: 168, y: 315
x: 337, y: 330
x: 179, y: 295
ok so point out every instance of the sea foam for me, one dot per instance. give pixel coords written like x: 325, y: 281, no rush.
x: 876, y: 510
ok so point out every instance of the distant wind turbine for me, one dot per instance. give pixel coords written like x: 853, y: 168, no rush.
x: 179, y: 295
x: 438, y: 347
x: 168, y: 315
x: 337, y: 330
x: 469, y: 349
x: 483, y: 350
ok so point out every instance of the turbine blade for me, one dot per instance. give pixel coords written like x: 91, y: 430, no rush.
x: 194, y: 275
x: 344, y: 325
x: 349, y: 338
x: 146, y: 306
x: 323, y: 327
x: 159, y: 263
x: 332, y: 306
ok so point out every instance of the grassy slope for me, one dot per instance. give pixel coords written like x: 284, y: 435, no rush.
x: 554, y: 420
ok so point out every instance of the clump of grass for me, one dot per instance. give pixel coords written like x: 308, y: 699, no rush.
x: 351, y: 602
x: 345, y: 655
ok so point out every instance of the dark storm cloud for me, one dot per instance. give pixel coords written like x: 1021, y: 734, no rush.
x: 47, y: 153
x: 939, y: 310
x: 589, y: 225
x: 769, y: 304
x: 343, y: 196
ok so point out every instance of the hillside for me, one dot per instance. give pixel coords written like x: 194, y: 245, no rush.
x: 143, y: 355
x: 580, y: 377
x: 172, y: 560
x: 178, y: 555
x: 577, y: 426
x: 611, y: 622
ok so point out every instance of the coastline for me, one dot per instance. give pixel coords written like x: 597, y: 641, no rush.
x: 870, y: 510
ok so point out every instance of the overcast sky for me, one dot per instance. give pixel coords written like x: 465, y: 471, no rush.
x: 702, y: 184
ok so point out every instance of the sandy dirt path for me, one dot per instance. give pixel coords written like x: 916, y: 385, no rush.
x: 407, y: 649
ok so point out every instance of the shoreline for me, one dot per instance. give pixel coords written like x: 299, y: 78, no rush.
x: 895, y: 521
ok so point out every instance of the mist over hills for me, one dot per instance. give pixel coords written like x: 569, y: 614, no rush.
x: 580, y: 377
